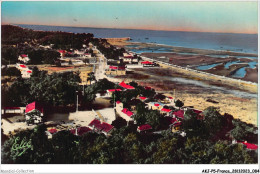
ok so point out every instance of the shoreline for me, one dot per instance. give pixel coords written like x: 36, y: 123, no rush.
x: 178, y: 49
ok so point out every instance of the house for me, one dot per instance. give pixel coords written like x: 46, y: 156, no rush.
x: 175, y: 125
x: 111, y: 91
x: 24, y: 58
x: 80, y: 130
x: 116, y: 69
x: 103, y: 127
x: 144, y: 128
x: 155, y: 105
x: 178, y: 114
x: 249, y: 145
x: 124, y: 112
x: 26, y: 73
x: 166, y: 111
x: 149, y: 64
x: 81, y: 53
x: 34, y: 113
x: 129, y: 58
x: 13, y: 110
x: 62, y: 53
x: 142, y: 98
x: 125, y: 86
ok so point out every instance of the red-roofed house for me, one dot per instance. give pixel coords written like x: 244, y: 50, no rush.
x: 24, y: 58
x: 124, y: 112
x: 102, y: 127
x: 34, y: 113
x: 13, y: 110
x: 144, y: 127
x: 111, y: 91
x: 179, y: 114
x: 116, y: 69
x: 124, y: 85
x: 52, y: 131
x: 249, y: 145
x: 130, y: 58
x: 148, y: 64
x: 80, y: 130
x: 142, y: 98
x: 62, y: 53
x: 166, y: 111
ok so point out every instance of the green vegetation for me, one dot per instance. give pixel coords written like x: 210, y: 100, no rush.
x: 12, y: 71
x: 125, y: 146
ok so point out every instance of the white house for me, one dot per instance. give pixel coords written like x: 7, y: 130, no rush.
x: 24, y: 58
x: 124, y: 112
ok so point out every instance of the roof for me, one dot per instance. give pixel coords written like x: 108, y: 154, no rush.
x: 144, y: 127
x: 94, y: 122
x: 52, y: 131
x: 125, y: 85
x: 169, y: 97
x: 166, y: 110
x: 127, y: 112
x: 142, y: 98
x: 32, y: 106
x: 156, y: 104
x: 146, y: 62
x: 29, y: 71
x: 11, y: 108
x: 120, y: 67
x: 250, y: 146
x: 113, y: 90
x: 118, y: 102
x: 173, y: 120
x: 104, y: 126
x: 23, y: 55
x: 80, y: 130
x: 23, y: 66
x: 62, y: 51
x: 179, y: 113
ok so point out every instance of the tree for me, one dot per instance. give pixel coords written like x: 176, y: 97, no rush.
x: 91, y: 77
x: 179, y: 103
x: 213, y: 120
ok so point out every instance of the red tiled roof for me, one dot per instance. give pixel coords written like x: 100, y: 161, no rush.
x: 146, y: 62
x: 62, y: 51
x: 125, y: 85
x: 80, y: 130
x: 179, y: 113
x: 156, y: 104
x: 250, y: 146
x: 52, y: 131
x: 32, y: 106
x: 29, y: 71
x: 117, y: 67
x: 166, y: 110
x: 113, y: 90
x: 23, y: 55
x: 23, y: 66
x: 144, y: 127
x: 118, y: 102
x: 94, y: 122
x: 106, y: 127
x: 177, y: 124
x: 127, y: 112
x: 170, y: 97
x: 142, y: 98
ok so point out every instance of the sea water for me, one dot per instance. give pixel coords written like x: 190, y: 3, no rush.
x: 245, y: 43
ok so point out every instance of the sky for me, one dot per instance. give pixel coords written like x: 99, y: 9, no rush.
x: 224, y: 17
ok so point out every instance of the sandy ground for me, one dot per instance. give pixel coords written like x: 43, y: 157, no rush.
x: 244, y: 109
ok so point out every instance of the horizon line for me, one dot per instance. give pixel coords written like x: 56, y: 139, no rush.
x: 130, y: 28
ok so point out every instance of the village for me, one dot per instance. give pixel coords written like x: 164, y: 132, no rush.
x: 82, y: 97
x: 101, y: 120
